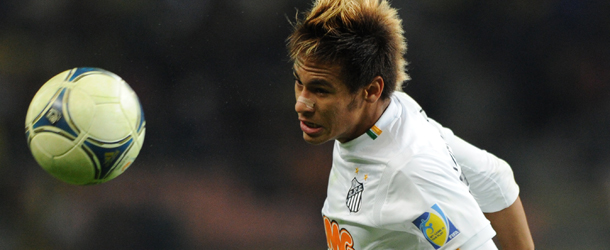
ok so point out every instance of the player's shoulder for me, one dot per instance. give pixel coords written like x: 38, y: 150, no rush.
x: 412, y: 128
x: 417, y: 139
x: 406, y: 101
x: 409, y: 113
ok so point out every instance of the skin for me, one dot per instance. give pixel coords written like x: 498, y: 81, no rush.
x: 511, y: 227
x: 337, y: 113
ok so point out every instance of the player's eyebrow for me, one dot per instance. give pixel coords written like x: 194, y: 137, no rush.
x: 314, y: 82
x: 296, y: 76
x: 320, y: 83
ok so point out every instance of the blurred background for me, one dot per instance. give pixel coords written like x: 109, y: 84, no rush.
x: 224, y: 165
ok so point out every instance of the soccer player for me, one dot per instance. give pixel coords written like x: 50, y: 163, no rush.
x: 399, y: 180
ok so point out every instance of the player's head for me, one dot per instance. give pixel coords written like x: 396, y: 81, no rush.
x: 363, y: 37
x: 347, y: 55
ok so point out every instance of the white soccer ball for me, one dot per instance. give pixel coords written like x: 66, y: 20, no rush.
x: 85, y: 126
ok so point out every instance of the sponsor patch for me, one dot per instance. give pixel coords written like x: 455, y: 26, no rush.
x: 337, y: 238
x: 436, y: 227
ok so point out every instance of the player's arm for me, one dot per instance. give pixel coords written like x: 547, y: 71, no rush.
x: 511, y: 227
x: 492, y: 183
x: 490, y: 178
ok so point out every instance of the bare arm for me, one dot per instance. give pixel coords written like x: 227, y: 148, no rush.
x: 511, y: 225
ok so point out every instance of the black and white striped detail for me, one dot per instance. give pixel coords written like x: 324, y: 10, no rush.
x: 354, y: 196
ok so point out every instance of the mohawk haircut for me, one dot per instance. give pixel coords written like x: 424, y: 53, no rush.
x: 363, y: 37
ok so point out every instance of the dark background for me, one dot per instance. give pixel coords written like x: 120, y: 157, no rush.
x: 224, y: 165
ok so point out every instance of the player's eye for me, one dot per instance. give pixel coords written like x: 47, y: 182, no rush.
x: 321, y: 91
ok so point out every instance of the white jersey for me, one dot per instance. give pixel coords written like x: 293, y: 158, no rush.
x: 490, y: 178
x: 398, y: 186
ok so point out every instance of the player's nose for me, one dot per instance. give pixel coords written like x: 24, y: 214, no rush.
x: 304, y: 105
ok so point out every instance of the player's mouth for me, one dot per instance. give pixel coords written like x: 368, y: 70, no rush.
x: 310, y: 128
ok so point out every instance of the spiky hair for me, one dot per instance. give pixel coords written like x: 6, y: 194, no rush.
x: 363, y: 37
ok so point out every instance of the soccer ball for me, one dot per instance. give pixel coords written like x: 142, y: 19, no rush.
x: 85, y: 126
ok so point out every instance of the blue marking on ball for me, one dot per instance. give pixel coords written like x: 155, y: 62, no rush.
x: 55, y: 116
x: 108, y: 157
x: 80, y: 71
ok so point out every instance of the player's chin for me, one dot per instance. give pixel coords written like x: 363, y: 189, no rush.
x: 314, y: 139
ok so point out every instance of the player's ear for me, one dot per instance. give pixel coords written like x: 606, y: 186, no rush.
x: 372, y: 91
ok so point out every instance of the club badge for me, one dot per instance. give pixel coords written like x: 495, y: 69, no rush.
x: 354, y: 196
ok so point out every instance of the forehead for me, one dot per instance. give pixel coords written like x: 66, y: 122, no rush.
x: 308, y: 70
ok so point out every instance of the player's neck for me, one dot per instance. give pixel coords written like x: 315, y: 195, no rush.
x: 370, y: 116
x: 379, y: 109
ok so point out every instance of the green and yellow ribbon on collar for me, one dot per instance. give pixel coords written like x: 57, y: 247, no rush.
x: 374, y: 132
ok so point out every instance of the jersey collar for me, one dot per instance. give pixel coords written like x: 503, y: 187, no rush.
x: 376, y: 132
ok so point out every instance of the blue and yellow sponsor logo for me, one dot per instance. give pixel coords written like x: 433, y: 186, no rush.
x: 436, y: 227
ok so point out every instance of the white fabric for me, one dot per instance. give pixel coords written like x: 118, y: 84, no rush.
x: 397, y: 181
x: 489, y: 245
x: 491, y: 179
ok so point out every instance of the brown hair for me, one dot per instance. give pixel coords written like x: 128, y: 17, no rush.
x: 364, y: 37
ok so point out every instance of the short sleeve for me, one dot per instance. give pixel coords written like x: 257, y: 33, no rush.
x: 490, y: 178
x: 427, y: 199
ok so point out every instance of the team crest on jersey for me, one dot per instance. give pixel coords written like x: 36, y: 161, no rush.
x: 436, y: 227
x: 354, y: 196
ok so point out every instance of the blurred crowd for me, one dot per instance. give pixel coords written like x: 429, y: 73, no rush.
x: 224, y: 166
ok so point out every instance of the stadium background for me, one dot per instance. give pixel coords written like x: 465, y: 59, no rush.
x: 224, y: 165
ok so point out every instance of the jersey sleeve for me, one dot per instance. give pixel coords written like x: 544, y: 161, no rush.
x: 490, y: 178
x: 426, y: 198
